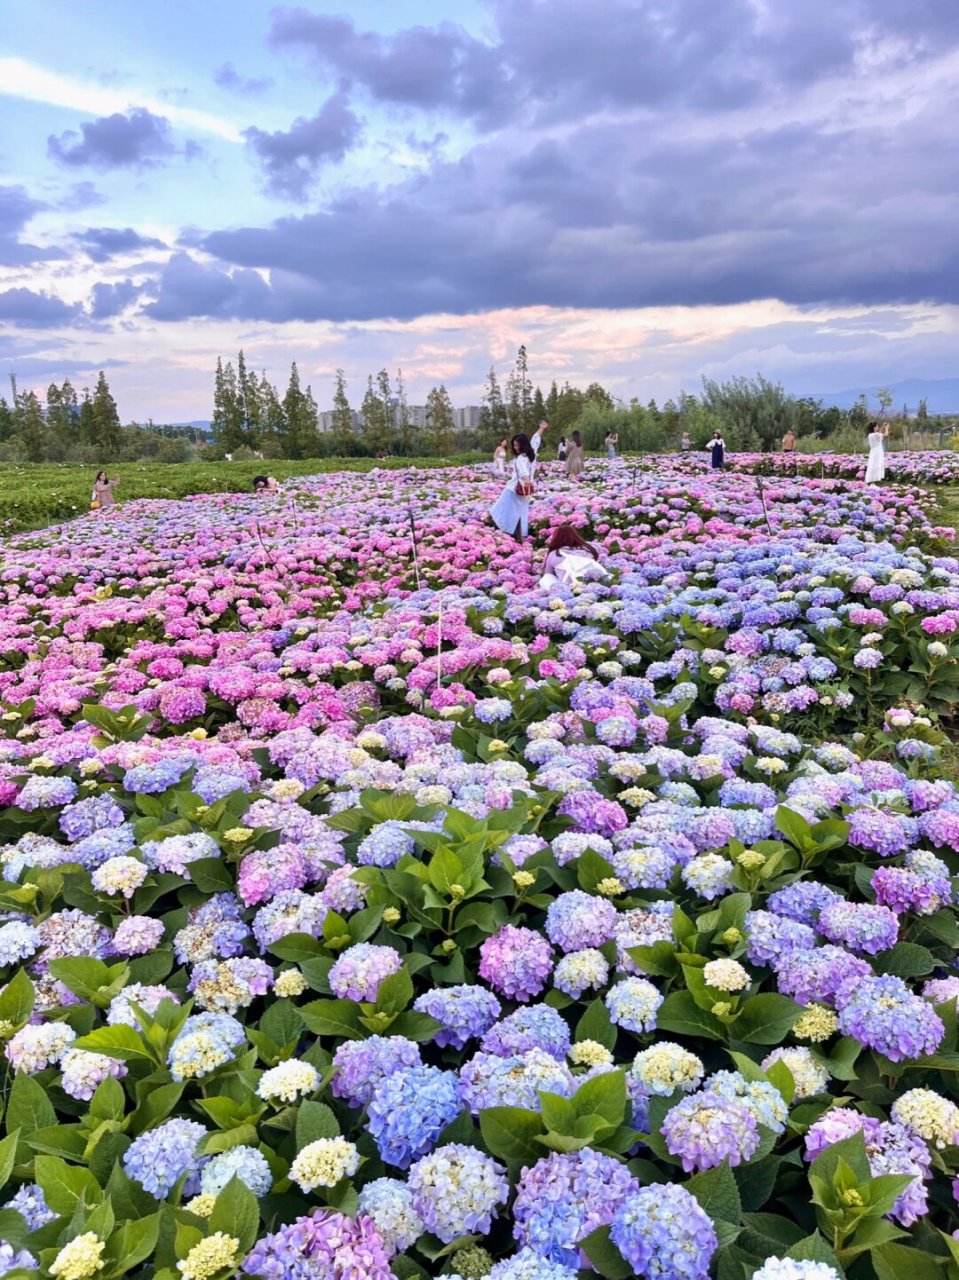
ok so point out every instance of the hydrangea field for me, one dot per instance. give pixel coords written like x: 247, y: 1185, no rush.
x: 370, y: 912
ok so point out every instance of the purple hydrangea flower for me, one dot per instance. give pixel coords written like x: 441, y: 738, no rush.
x: 326, y: 1243
x: 360, y: 1065
x: 516, y: 961
x: 576, y: 920
x: 158, y: 1158
x: 883, y: 1014
x: 537, y: 1027
x: 820, y: 976
x: 360, y: 969
x: 662, y: 1231
x: 863, y: 927
x: 456, y: 1190
x: 565, y: 1196
x: 706, y: 1128
x: 464, y: 1012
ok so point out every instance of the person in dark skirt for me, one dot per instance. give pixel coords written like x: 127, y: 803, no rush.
x: 717, y: 450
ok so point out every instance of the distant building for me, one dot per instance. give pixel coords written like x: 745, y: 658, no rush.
x: 467, y: 418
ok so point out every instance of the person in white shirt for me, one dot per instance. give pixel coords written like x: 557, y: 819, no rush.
x: 570, y: 558
x: 876, y: 465
x: 510, y: 512
x: 537, y: 437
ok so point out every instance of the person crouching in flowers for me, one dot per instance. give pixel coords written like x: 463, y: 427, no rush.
x: 569, y: 558
x: 511, y: 509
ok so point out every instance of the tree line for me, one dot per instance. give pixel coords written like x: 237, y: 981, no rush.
x: 252, y: 419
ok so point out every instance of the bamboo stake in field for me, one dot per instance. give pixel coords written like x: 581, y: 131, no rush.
x: 416, y: 562
x: 439, y: 646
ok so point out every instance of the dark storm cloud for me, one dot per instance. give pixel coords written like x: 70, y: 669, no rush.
x: 17, y: 207
x: 35, y: 310
x: 110, y: 299
x: 227, y: 77
x: 290, y: 159
x: 103, y: 243
x: 136, y: 140
x: 425, y: 67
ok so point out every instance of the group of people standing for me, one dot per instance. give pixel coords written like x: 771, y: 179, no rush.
x: 516, y: 459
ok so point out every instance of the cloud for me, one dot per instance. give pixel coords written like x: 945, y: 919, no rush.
x: 82, y: 195
x: 425, y: 67
x: 17, y: 208
x: 227, y: 77
x: 139, y: 140
x: 189, y: 288
x: 110, y: 299
x: 32, y: 83
x: 35, y: 310
x: 103, y: 243
x: 290, y: 160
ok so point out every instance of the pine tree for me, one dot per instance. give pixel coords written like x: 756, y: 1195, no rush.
x: 519, y: 396
x: 6, y: 420
x: 344, y: 437
x: 493, y: 423
x: 220, y: 422
x: 375, y: 430
x: 273, y: 431
x: 31, y: 425
x: 440, y: 420
x: 386, y: 395
x: 106, y: 420
x: 248, y: 397
x: 88, y: 425
x: 301, y: 418
x: 538, y: 408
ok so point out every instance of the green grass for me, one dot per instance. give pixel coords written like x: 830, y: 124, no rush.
x: 34, y: 495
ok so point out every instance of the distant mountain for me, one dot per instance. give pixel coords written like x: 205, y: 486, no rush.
x: 941, y: 394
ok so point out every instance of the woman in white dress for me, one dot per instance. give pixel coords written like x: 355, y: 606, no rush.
x: 499, y: 458
x: 511, y: 509
x: 876, y: 465
x: 570, y: 558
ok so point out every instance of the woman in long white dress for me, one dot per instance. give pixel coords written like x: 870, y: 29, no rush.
x: 511, y: 509
x: 500, y: 454
x: 876, y: 464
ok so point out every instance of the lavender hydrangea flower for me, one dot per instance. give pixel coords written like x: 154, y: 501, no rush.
x: 326, y: 1243
x: 84, y: 1072
x: 536, y: 1027
x: 205, y: 1042
x: 863, y: 927
x: 565, y: 1196
x: 29, y: 1201
x: 360, y: 969
x: 706, y: 1128
x: 883, y: 1014
x: 576, y: 920
x: 359, y: 1066
x: 245, y: 1163
x: 456, y: 1190
x: 632, y: 1004
x: 158, y: 1158
x: 463, y: 1011
x: 820, y: 976
x: 770, y: 936
x: 488, y: 1080
x: 389, y: 1203
x: 663, y: 1232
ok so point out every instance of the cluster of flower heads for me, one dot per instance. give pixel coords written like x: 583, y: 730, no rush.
x: 278, y: 696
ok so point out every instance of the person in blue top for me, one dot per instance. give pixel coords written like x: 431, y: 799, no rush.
x: 717, y: 449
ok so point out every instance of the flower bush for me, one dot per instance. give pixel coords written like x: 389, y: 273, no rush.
x: 373, y: 916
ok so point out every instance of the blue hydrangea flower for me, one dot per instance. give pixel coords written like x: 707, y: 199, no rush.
x: 565, y: 1196
x: 245, y: 1163
x: 409, y: 1110
x: 537, y: 1027
x: 663, y: 1232
x: 158, y: 1158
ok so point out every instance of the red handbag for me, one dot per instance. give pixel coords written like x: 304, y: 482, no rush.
x: 524, y: 489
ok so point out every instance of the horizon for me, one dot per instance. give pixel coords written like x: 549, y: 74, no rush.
x: 772, y: 193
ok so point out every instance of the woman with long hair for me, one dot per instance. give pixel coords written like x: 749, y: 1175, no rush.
x: 103, y: 495
x: 575, y: 463
x: 569, y: 558
x: 511, y: 509
x: 500, y: 454
x: 876, y: 465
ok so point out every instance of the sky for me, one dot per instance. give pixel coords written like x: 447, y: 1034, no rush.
x: 644, y: 192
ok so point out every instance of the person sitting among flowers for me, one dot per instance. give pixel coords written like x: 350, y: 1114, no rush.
x: 569, y: 559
